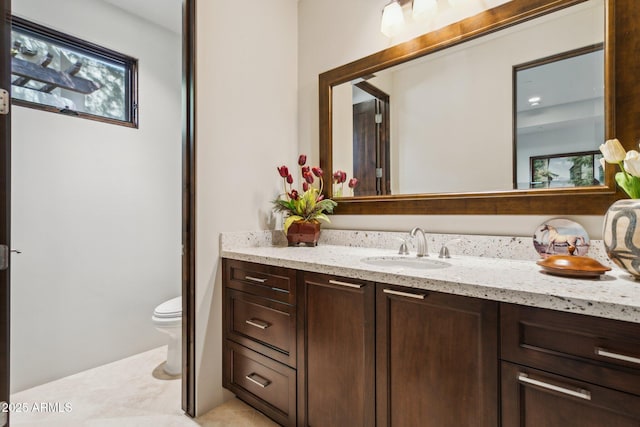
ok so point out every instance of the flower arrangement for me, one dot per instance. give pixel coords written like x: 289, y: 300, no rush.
x: 629, y: 162
x: 311, y: 205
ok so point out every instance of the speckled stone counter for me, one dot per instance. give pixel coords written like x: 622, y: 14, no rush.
x: 495, y: 268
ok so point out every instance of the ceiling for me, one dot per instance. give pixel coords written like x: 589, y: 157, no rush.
x: 563, y: 81
x: 166, y: 13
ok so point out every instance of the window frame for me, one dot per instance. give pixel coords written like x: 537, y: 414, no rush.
x: 90, y: 49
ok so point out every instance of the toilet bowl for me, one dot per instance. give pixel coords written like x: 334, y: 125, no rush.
x: 167, y: 318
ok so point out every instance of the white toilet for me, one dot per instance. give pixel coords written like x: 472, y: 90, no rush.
x: 167, y: 318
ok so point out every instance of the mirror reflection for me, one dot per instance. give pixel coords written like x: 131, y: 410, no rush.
x: 458, y: 121
x: 559, y: 120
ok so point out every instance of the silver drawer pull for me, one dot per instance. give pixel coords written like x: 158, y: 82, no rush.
x: 345, y: 284
x: 605, y: 353
x: 582, y: 394
x: 403, y: 294
x: 261, y: 324
x: 258, y: 380
x: 255, y: 279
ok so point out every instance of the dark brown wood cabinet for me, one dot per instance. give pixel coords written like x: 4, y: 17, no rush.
x: 567, y: 370
x: 338, y: 371
x: 436, y: 359
x: 310, y: 349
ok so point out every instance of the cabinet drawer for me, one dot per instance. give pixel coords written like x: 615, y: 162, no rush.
x: 602, y: 351
x: 276, y: 283
x: 266, y: 326
x: 263, y: 383
x: 537, y: 398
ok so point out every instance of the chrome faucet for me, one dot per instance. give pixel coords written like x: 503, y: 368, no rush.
x: 422, y: 242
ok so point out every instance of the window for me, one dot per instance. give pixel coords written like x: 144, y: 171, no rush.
x: 60, y: 73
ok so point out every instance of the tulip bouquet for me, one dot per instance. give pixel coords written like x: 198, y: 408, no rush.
x: 628, y: 161
x: 311, y: 204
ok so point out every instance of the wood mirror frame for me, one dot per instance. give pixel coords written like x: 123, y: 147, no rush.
x: 622, y: 110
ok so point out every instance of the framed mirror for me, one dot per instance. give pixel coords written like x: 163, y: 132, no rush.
x: 461, y: 134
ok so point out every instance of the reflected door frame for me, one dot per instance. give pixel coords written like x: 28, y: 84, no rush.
x: 371, y: 143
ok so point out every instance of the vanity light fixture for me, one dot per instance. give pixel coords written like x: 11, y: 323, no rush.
x: 393, y: 14
x: 392, y: 19
x: 422, y: 8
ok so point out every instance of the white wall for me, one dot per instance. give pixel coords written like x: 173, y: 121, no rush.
x: 246, y: 126
x: 328, y: 39
x: 96, y: 208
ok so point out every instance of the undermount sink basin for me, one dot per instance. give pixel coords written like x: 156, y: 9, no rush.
x: 406, y: 262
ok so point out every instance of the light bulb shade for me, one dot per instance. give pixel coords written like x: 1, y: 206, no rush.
x: 423, y: 8
x: 392, y: 19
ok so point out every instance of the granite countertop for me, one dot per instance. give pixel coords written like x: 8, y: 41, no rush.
x: 614, y: 295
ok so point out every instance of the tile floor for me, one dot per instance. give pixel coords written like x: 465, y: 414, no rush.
x: 133, y: 392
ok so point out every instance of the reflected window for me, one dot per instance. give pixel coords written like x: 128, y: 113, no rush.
x: 567, y: 170
x: 56, y: 72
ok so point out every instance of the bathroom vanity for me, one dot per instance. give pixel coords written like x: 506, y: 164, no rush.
x: 324, y: 336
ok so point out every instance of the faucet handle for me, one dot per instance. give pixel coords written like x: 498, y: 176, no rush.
x: 444, y: 250
x: 404, y: 250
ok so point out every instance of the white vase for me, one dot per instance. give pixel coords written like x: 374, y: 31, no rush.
x: 621, y: 235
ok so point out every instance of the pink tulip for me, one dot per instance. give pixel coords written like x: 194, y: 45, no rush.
x: 305, y: 170
x: 353, y: 182
x: 305, y: 186
x: 302, y: 159
x: 294, y: 195
x: 317, y: 171
x: 289, y: 179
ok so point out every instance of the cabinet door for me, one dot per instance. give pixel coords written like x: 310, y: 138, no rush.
x: 339, y: 369
x: 437, y: 361
x: 532, y: 398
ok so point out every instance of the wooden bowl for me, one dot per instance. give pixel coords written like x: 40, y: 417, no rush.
x: 572, y: 266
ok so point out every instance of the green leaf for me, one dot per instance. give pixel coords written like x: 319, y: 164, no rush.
x: 323, y: 217
x: 327, y: 205
x: 309, y: 198
x: 630, y: 184
x: 301, y: 206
